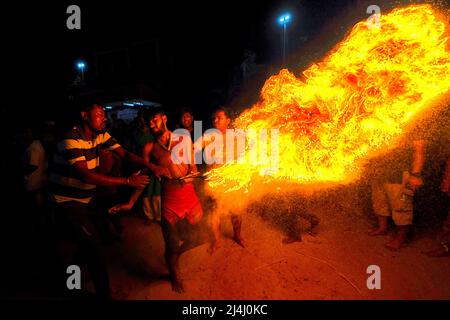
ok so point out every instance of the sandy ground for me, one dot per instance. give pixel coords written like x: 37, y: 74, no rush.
x: 331, y: 265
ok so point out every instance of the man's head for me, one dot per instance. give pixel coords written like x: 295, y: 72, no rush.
x: 186, y: 118
x: 93, y: 116
x: 221, y: 119
x: 156, y: 119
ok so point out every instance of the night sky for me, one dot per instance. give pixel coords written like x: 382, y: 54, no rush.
x: 204, y: 40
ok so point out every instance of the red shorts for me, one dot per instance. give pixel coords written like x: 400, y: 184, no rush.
x: 179, y: 202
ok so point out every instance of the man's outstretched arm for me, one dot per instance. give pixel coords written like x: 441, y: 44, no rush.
x: 99, y: 179
x: 137, y: 193
x: 130, y: 156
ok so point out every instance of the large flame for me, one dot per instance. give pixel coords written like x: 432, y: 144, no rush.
x: 349, y: 106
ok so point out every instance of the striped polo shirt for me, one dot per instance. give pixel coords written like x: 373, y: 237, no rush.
x: 65, y: 182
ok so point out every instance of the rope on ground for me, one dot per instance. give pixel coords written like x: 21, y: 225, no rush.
x: 334, y: 269
x: 269, y: 264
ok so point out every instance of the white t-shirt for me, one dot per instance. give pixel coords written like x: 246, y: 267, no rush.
x: 35, y: 155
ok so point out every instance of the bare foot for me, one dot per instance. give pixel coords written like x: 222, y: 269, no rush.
x: 290, y: 240
x: 177, y: 285
x: 313, y: 231
x: 213, y: 247
x: 378, y: 232
x: 239, y: 241
x: 314, y: 226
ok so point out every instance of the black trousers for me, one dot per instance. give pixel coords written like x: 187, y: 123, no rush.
x: 77, y: 223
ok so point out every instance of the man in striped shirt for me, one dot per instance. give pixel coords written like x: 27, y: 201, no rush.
x: 73, y: 180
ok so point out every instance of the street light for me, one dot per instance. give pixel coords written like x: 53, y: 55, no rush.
x: 81, y: 65
x: 284, y: 19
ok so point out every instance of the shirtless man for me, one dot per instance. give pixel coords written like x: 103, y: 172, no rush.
x: 180, y: 208
x: 221, y: 121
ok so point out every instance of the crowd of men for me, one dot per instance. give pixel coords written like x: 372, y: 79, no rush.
x: 79, y: 177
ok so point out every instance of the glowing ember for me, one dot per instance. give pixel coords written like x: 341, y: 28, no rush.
x: 352, y: 104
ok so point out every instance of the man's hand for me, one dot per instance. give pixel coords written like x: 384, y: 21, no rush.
x: 415, y: 182
x: 120, y: 207
x: 159, y: 172
x: 189, y: 178
x: 138, y: 181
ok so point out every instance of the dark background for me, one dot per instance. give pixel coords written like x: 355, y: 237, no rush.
x: 200, y: 47
x: 188, y: 53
